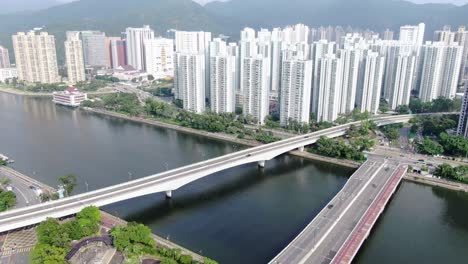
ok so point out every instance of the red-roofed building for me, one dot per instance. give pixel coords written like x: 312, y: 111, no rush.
x: 70, y: 97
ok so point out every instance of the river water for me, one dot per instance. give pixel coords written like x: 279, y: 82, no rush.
x: 242, y: 215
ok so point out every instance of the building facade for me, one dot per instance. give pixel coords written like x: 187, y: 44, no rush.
x: 296, y: 89
x: 256, y: 86
x: 36, y: 57
x: 118, y: 53
x: 189, y: 80
x: 159, y: 57
x: 135, y: 46
x: 4, y: 58
x: 94, y: 48
x: 463, y: 122
x: 74, y: 58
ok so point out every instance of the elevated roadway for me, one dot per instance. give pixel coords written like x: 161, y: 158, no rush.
x: 173, y: 179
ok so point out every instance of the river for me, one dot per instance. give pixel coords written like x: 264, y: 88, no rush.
x: 242, y: 215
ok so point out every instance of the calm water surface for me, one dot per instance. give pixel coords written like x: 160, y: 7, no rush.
x: 242, y: 215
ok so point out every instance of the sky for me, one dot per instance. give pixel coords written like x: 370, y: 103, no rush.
x: 457, y: 2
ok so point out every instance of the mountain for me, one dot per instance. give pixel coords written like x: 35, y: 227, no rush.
x: 112, y: 17
x: 13, y: 6
x: 372, y: 14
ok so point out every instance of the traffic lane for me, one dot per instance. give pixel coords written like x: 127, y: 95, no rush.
x: 24, y: 195
x: 326, y: 218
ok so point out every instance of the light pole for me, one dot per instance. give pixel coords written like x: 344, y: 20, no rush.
x: 130, y: 176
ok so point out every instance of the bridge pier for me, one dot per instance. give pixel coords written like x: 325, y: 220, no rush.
x: 301, y: 149
x: 261, y: 164
x: 168, y: 194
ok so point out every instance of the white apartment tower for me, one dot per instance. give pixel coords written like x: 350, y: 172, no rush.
x: 36, y: 57
x: 319, y: 50
x: 296, y: 89
x: 159, y: 57
x: 189, y: 80
x: 256, y: 84
x: 440, y: 70
x: 413, y: 35
x: 135, y: 45
x: 405, y: 68
x: 330, y: 75
x: 350, y: 59
x: 4, y: 58
x: 368, y: 97
x: 223, y: 77
x: 74, y: 58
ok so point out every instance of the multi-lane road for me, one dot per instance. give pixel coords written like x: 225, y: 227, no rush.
x: 25, y: 195
x: 320, y: 241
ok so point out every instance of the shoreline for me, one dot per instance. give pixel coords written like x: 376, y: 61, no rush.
x: 454, y: 186
x: 43, y: 95
x: 221, y: 137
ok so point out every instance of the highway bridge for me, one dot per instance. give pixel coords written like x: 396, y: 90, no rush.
x: 172, y: 180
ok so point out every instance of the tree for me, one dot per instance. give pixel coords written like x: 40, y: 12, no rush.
x: 209, y: 261
x: 126, y: 238
x: 185, y: 259
x: 446, y: 171
x: 430, y: 147
x: 7, y: 200
x: 383, y: 106
x: 150, y: 77
x: 69, y: 183
x: 403, y: 109
x: 52, y: 233
x: 48, y: 254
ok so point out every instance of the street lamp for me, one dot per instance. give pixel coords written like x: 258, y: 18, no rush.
x: 130, y: 176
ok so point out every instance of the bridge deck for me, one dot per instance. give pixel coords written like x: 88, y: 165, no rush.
x: 325, y: 236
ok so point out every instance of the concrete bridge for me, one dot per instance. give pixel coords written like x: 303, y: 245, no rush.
x: 172, y: 180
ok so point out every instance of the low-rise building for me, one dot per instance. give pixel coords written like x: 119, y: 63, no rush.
x: 8, y: 73
x: 70, y: 97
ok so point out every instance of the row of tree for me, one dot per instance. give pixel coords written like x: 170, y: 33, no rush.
x: 452, y: 173
x: 341, y: 149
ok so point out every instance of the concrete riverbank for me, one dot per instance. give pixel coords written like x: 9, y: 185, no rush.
x: 455, y: 186
x: 47, y: 95
x: 222, y: 137
x: 107, y: 218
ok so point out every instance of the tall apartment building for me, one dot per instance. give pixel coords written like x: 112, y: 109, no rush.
x: 109, y: 41
x: 461, y: 37
x: 368, y: 95
x: 330, y: 75
x: 296, y: 89
x: 403, y: 76
x: 195, y: 42
x: 350, y: 59
x: 4, y: 58
x: 36, y: 57
x: 413, y: 35
x: 319, y: 49
x: 159, y: 57
x: 387, y: 34
x: 94, y: 48
x: 256, y: 85
x: 118, y: 53
x: 135, y: 46
x: 74, y: 58
x: 189, y: 80
x: 223, y: 76
x: 463, y: 122
x: 440, y: 70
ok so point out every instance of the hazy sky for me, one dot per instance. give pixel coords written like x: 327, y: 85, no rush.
x: 458, y: 2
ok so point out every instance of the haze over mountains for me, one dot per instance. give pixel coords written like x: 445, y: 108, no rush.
x: 113, y: 16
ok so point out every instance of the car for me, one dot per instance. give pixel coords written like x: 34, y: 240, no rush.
x: 9, y: 188
x: 330, y: 206
x: 248, y: 155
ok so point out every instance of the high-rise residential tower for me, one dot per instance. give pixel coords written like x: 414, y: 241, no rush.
x: 4, y: 58
x: 368, y: 95
x: 74, y: 58
x: 413, y: 35
x: 223, y: 76
x: 330, y: 76
x: 36, y: 57
x: 135, y: 46
x: 296, y: 89
x: 463, y: 122
x: 440, y: 70
x: 159, y: 57
x: 94, y: 48
x: 189, y: 80
x: 256, y: 85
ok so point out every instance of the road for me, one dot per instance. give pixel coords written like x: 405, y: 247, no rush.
x: 324, y: 236
x: 25, y: 196
x: 170, y: 180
